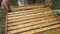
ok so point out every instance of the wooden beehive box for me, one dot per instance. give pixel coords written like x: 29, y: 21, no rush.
x: 31, y: 21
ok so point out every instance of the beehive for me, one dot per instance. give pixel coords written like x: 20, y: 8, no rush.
x: 31, y: 21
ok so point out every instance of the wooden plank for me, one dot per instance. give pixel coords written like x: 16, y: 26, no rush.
x: 34, y: 19
x: 45, y: 13
x: 30, y: 16
x: 42, y: 29
x: 32, y: 27
x: 25, y: 20
x: 27, y: 7
x: 27, y: 11
x: 39, y: 19
x: 24, y: 13
x: 25, y: 25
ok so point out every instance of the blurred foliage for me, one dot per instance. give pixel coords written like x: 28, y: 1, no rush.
x: 2, y: 21
x: 14, y: 2
x: 2, y: 13
x: 31, y: 1
x: 34, y: 1
x: 0, y: 0
x: 56, y: 4
x: 58, y: 14
x: 2, y: 30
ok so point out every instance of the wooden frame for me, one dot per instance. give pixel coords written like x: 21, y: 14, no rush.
x: 19, y: 9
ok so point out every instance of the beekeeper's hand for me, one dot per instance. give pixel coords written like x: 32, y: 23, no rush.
x: 5, y: 4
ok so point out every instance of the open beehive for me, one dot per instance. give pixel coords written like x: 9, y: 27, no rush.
x: 31, y: 21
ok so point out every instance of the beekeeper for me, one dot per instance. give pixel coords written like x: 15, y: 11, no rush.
x: 6, y: 3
